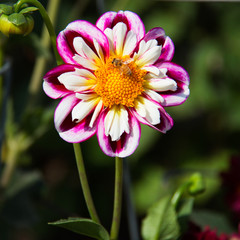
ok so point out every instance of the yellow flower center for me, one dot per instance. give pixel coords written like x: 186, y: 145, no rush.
x: 119, y: 81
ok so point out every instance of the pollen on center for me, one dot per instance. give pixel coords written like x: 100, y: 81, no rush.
x: 119, y: 81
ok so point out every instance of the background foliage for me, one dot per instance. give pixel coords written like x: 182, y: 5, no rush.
x: 45, y: 185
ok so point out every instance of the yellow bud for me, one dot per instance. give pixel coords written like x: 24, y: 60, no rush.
x: 7, y: 27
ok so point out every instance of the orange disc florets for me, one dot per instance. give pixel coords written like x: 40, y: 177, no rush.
x: 119, y: 81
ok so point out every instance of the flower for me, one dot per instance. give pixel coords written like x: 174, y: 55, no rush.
x: 115, y: 77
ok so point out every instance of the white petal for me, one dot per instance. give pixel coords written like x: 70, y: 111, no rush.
x: 130, y: 43
x: 116, y: 122
x: 98, y: 49
x: 85, y: 73
x: 82, y: 109
x: 96, y: 113
x: 83, y: 49
x: 119, y: 33
x: 161, y: 85
x: 84, y: 62
x: 149, y: 57
x: 145, y: 46
x: 74, y: 82
x: 151, y: 114
x: 162, y: 73
x: 109, y: 33
x: 151, y: 43
x: 86, y: 96
x: 154, y: 95
x: 152, y: 69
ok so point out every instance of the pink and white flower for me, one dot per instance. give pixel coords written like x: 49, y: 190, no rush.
x: 115, y: 76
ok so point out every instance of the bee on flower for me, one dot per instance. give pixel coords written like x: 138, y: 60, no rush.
x: 114, y: 77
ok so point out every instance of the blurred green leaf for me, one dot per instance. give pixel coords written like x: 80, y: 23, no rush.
x: 21, y: 182
x: 6, y: 9
x: 214, y: 220
x: 152, y: 185
x: 161, y: 222
x: 17, y: 19
x: 28, y: 10
x: 83, y: 226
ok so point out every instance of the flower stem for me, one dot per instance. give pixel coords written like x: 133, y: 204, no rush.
x: 41, y: 61
x: 117, y: 199
x: 84, y: 183
x: 47, y: 22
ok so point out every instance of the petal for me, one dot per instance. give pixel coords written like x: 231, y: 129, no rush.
x: 74, y: 82
x: 96, y: 112
x: 181, y: 77
x: 85, y: 62
x: 63, y: 110
x: 147, y: 109
x: 130, y: 43
x: 51, y: 85
x: 116, y: 122
x: 166, y: 122
x: 132, y: 20
x: 83, y: 108
x: 119, y: 34
x: 162, y: 84
x: 154, y: 96
x: 149, y: 57
x: 127, y: 143
x: 106, y: 20
x: 151, y: 69
x: 82, y: 29
x: 109, y: 33
x: 135, y: 24
x: 68, y: 130
x: 167, y: 51
x: 144, y: 47
x: 83, y: 49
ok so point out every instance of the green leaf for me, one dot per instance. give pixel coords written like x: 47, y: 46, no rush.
x: 184, y: 211
x: 17, y: 19
x: 161, y: 222
x: 6, y: 9
x: 28, y: 10
x: 83, y: 226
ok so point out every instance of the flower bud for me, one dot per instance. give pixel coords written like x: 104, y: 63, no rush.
x: 9, y: 24
x: 197, y: 184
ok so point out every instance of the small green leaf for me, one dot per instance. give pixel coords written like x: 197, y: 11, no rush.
x: 83, y: 226
x: 17, y: 19
x: 28, y: 10
x: 6, y: 9
x: 161, y: 222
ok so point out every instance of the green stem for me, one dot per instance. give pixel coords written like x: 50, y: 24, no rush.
x: 41, y: 61
x: 47, y: 22
x: 117, y: 199
x: 84, y: 183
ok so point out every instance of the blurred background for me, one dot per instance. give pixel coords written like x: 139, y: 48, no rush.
x: 44, y: 186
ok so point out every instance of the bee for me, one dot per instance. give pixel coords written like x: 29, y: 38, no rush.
x: 122, y: 66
